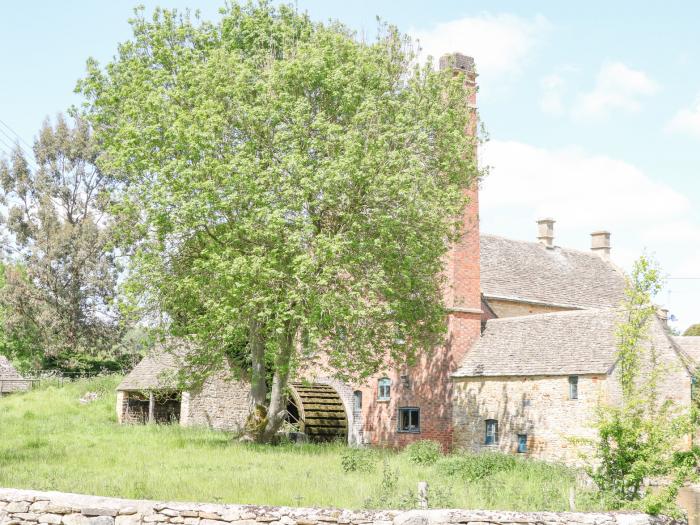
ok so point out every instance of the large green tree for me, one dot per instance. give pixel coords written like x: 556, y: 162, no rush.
x: 62, y: 290
x: 291, y: 190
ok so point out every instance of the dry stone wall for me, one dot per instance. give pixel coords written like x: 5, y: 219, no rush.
x: 23, y: 507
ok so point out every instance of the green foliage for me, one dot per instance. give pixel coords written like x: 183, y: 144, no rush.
x: 637, y: 439
x: 424, y: 452
x: 51, y: 441
x: 693, y: 330
x: 285, y: 183
x: 357, y: 460
x: 474, y: 467
x: 61, y: 296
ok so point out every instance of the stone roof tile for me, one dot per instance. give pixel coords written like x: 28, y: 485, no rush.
x: 562, y: 343
x: 528, y: 271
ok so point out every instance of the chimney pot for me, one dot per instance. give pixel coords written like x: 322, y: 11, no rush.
x: 600, y: 244
x: 545, y: 232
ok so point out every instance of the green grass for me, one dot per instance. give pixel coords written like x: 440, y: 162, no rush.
x: 50, y: 441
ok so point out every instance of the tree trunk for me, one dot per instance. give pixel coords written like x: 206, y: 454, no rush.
x: 277, y: 408
x: 258, y: 389
x: 257, y: 417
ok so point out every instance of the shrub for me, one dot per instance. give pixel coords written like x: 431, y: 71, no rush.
x: 473, y: 467
x: 357, y: 460
x: 425, y: 452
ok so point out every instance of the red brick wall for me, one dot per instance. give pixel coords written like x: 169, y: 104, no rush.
x: 430, y: 384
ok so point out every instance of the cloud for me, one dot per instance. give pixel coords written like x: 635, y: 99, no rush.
x: 585, y: 192
x: 686, y: 121
x: 499, y: 43
x: 551, y: 100
x: 617, y: 87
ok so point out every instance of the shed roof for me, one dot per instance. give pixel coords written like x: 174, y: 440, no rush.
x: 691, y: 346
x: 156, y: 370
x: 531, y: 272
x: 562, y: 343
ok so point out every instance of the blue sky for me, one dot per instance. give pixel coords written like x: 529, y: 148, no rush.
x: 593, y: 112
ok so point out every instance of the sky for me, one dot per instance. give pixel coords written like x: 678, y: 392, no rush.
x: 592, y: 108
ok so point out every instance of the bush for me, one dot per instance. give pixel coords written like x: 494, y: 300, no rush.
x: 424, y: 452
x: 357, y: 460
x: 473, y: 467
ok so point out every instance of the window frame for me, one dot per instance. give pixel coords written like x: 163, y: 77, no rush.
x: 522, y: 443
x: 357, y: 401
x: 409, y: 430
x: 493, y: 435
x: 383, y: 383
x: 573, y: 388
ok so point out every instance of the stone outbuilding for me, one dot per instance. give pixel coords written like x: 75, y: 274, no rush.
x: 533, y: 383
x: 10, y: 380
x: 152, y: 393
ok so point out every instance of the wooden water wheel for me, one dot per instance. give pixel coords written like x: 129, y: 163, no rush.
x: 319, y: 410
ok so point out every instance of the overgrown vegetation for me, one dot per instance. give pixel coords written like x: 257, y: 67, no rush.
x: 49, y: 440
x: 638, y: 437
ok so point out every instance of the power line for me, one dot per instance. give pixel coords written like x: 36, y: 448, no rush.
x: 15, y: 133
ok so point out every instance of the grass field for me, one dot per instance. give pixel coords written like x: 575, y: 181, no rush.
x: 50, y: 441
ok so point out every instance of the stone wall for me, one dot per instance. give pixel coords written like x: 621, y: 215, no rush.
x: 538, y: 407
x: 222, y: 403
x: 20, y: 507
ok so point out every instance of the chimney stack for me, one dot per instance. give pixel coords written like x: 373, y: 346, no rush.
x: 600, y: 244
x: 458, y: 62
x: 545, y: 232
x: 663, y: 315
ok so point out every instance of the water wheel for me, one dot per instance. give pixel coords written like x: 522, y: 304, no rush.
x: 319, y: 411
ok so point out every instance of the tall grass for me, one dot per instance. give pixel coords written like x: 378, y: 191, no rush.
x: 50, y: 441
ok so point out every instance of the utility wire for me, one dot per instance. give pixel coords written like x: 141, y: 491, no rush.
x: 16, y: 134
x: 28, y: 155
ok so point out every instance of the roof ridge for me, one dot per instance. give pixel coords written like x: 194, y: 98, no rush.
x: 555, y: 247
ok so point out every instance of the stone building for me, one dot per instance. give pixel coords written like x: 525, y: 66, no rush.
x: 529, y: 352
x: 533, y: 383
x: 11, y: 380
x: 152, y: 393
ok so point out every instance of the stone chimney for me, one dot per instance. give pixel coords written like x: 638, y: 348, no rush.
x: 600, y: 244
x: 663, y: 315
x: 545, y: 232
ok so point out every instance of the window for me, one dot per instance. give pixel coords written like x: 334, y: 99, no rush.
x: 522, y: 443
x: 405, y: 382
x: 384, y: 389
x: 573, y: 387
x: 357, y: 401
x: 409, y: 420
x: 491, y: 432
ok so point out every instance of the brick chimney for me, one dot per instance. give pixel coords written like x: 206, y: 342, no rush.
x: 600, y: 244
x: 545, y: 232
x: 463, y: 266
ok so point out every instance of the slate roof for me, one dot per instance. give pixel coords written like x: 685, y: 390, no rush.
x: 156, y: 370
x: 10, y: 379
x: 528, y: 271
x: 691, y: 346
x: 562, y: 343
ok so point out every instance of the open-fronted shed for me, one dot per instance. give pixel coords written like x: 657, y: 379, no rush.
x: 318, y: 410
